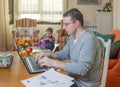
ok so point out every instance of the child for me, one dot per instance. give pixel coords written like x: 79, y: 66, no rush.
x: 47, y: 41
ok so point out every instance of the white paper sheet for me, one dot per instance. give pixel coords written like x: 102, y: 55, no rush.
x: 50, y: 78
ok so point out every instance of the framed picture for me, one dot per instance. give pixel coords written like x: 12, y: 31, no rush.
x: 88, y: 2
x: 111, y: 2
x: 11, y: 11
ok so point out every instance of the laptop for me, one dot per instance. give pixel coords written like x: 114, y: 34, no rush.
x: 30, y: 63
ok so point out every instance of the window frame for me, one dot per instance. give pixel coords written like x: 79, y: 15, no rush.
x: 41, y: 12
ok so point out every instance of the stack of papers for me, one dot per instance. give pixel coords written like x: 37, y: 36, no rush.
x: 50, y: 78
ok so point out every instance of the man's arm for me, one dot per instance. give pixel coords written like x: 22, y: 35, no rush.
x: 44, y: 60
x: 51, y: 55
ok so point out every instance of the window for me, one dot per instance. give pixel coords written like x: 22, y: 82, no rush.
x: 42, y: 10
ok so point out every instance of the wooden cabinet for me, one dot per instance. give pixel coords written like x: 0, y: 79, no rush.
x: 104, y: 22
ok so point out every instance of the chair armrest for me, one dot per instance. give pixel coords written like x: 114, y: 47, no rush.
x: 36, y: 36
x: 14, y: 34
x: 62, y: 38
x: 112, y: 63
x: 118, y: 56
x: 36, y: 33
x: 116, y: 68
x: 62, y: 32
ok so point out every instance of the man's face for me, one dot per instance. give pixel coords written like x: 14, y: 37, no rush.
x: 69, y: 25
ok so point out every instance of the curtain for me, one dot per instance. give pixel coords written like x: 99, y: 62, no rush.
x: 42, y: 10
x: 4, y: 26
x: 116, y: 14
x: 16, y: 13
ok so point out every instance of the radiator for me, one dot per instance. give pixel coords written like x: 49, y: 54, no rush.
x: 92, y: 28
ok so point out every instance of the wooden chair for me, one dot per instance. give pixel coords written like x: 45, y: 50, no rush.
x: 55, y: 47
x: 25, y: 28
x: 105, y: 60
x: 62, y: 38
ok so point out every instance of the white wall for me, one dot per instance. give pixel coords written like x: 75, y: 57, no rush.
x: 89, y: 11
x: 116, y: 14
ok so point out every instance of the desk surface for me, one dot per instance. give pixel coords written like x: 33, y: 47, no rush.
x: 11, y: 77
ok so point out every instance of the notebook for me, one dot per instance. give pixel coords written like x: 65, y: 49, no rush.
x: 30, y: 62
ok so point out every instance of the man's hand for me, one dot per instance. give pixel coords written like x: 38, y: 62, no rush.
x: 45, y: 61
x: 41, y: 55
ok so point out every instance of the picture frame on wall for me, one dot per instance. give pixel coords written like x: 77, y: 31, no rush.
x: 89, y: 2
x: 111, y: 2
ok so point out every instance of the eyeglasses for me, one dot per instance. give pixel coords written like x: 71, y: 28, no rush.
x: 66, y: 24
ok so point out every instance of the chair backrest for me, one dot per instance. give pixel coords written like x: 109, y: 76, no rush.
x: 26, y: 22
x: 26, y: 27
x: 105, y: 59
x: 55, y: 46
x: 62, y: 38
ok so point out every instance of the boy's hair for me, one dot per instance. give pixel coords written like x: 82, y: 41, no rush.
x: 49, y: 29
x: 75, y: 14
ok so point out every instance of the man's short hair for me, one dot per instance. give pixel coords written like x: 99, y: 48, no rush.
x: 75, y: 14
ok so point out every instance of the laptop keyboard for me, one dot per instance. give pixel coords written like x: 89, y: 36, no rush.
x: 32, y: 65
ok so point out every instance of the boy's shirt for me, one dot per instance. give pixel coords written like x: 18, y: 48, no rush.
x: 52, y: 37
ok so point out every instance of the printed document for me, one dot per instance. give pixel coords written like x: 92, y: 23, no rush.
x: 50, y: 78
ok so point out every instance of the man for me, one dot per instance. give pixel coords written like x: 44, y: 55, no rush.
x: 82, y: 49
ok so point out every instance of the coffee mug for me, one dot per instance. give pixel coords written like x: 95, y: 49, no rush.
x: 6, y: 60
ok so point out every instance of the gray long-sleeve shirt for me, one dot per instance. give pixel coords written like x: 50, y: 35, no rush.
x: 85, y: 56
